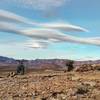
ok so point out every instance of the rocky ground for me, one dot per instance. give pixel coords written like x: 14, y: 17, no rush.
x: 51, y: 85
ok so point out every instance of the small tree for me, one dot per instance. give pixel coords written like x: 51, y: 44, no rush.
x: 20, y: 68
x: 70, y: 66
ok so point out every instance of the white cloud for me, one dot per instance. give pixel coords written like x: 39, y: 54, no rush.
x: 40, y: 4
x: 95, y: 38
x: 8, y: 16
x: 64, y: 27
x: 48, y: 31
x: 47, y: 34
x: 59, y: 36
x: 10, y: 28
x: 87, y: 58
x: 37, y: 44
x: 11, y: 17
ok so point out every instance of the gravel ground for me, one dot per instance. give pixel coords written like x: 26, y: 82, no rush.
x: 51, y: 85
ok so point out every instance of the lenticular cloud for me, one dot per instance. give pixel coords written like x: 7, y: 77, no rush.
x: 37, y: 44
x: 44, y: 35
x: 51, y: 32
x: 12, y: 17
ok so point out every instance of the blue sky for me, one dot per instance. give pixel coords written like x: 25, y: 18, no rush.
x: 85, y: 13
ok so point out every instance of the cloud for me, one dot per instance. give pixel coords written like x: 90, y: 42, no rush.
x: 8, y: 16
x: 10, y: 28
x: 11, y: 17
x: 47, y: 35
x: 64, y: 27
x: 37, y: 44
x: 87, y: 58
x: 40, y: 4
x: 95, y: 38
x: 49, y: 31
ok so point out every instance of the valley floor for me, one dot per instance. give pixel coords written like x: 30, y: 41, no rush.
x: 51, y: 85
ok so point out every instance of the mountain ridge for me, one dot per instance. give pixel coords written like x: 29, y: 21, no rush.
x: 59, y: 64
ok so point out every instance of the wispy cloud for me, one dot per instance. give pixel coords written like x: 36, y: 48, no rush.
x: 63, y: 27
x: 40, y: 4
x: 57, y: 36
x: 10, y: 28
x: 12, y: 17
x: 47, y: 34
x: 46, y: 31
x: 37, y: 44
x: 9, y: 16
x: 87, y: 58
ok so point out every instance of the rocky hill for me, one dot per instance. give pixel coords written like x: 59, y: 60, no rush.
x: 55, y: 64
x: 10, y: 63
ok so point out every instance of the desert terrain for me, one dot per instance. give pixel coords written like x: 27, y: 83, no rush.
x: 52, y: 79
x: 50, y: 85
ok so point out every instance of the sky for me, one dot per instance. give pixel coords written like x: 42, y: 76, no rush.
x: 84, y: 13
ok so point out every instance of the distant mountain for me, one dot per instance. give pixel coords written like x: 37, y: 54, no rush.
x: 6, y: 60
x: 57, y: 64
x: 78, y: 63
x: 47, y: 63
